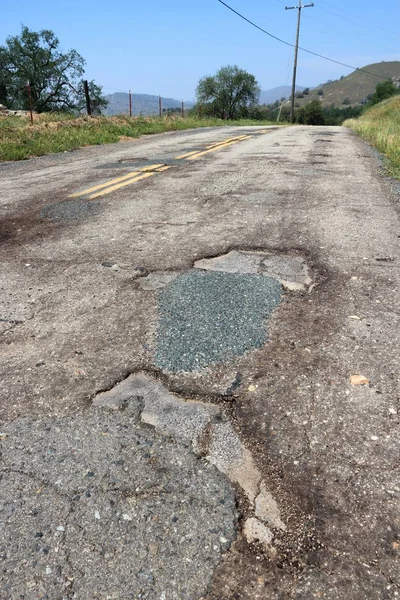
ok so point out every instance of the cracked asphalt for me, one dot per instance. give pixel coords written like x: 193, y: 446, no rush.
x: 117, y: 501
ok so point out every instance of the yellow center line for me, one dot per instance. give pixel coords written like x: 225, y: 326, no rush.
x: 112, y: 182
x: 151, y: 168
x: 186, y: 155
x: 216, y: 145
x: 114, y: 188
x: 224, y: 145
x: 119, y: 182
x: 235, y: 139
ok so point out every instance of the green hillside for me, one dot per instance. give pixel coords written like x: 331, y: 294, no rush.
x: 354, y: 88
x: 380, y: 125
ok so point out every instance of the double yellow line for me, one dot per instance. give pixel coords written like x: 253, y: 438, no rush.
x: 119, y: 182
x: 213, y: 148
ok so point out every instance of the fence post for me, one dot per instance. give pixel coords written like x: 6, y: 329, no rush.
x: 30, y: 101
x: 87, y: 97
x: 130, y: 103
x: 160, y: 106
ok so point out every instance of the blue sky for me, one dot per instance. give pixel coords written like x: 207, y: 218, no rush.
x: 164, y: 47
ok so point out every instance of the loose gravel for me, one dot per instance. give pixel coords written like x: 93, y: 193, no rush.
x: 70, y: 210
x: 209, y: 317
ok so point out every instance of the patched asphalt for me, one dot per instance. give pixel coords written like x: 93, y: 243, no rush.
x: 69, y: 210
x: 211, y: 317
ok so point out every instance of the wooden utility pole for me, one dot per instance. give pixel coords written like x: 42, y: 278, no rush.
x: 87, y: 98
x: 130, y: 103
x: 183, y: 109
x: 160, y: 106
x: 299, y: 8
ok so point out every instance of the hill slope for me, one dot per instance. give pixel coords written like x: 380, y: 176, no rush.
x: 355, y: 87
x: 283, y: 91
x: 380, y: 125
x: 142, y: 104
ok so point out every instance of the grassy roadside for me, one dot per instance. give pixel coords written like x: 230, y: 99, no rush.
x: 380, y: 125
x: 59, y: 133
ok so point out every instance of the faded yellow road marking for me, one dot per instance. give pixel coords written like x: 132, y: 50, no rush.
x: 186, y: 155
x: 224, y: 145
x: 145, y: 172
x: 216, y: 145
x: 112, y: 182
x: 151, y: 168
x: 114, y: 188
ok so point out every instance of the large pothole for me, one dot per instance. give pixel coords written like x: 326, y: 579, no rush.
x: 211, y: 317
x: 220, y: 309
x: 211, y: 435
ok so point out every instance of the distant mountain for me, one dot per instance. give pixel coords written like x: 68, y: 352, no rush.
x: 144, y: 104
x: 283, y: 91
x: 355, y: 88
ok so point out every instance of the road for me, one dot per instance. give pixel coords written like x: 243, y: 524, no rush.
x: 199, y: 380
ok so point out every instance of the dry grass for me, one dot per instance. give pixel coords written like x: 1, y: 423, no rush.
x: 380, y: 125
x: 59, y: 132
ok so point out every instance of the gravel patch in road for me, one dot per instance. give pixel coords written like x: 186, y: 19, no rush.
x: 69, y: 210
x: 210, y: 317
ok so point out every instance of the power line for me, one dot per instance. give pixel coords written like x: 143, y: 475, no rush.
x: 355, y: 20
x: 300, y: 48
x: 351, y: 36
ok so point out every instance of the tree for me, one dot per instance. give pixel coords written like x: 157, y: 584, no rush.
x: 384, y: 90
x: 55, y: 77
x: 231, y: 92
x: 311, y: 114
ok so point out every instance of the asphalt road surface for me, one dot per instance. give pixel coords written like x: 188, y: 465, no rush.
x: 199, y: 370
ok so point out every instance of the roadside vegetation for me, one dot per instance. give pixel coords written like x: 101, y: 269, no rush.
x: 380, y: 125
x: 60, y: 132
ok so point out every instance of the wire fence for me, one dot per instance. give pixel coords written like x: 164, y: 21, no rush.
x: 125, y: 102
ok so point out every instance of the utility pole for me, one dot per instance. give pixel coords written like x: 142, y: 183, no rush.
x: 299, y: 8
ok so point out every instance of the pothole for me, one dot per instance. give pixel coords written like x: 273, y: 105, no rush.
x: 212, y: 317
x: 291, y: 271
x: 219, y: 310
x: 211, y: 436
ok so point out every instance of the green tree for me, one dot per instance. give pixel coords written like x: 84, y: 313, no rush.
x: 384, y: 90
x: 231, y: 92
x: 311, y: 114
x: 55, y: 77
